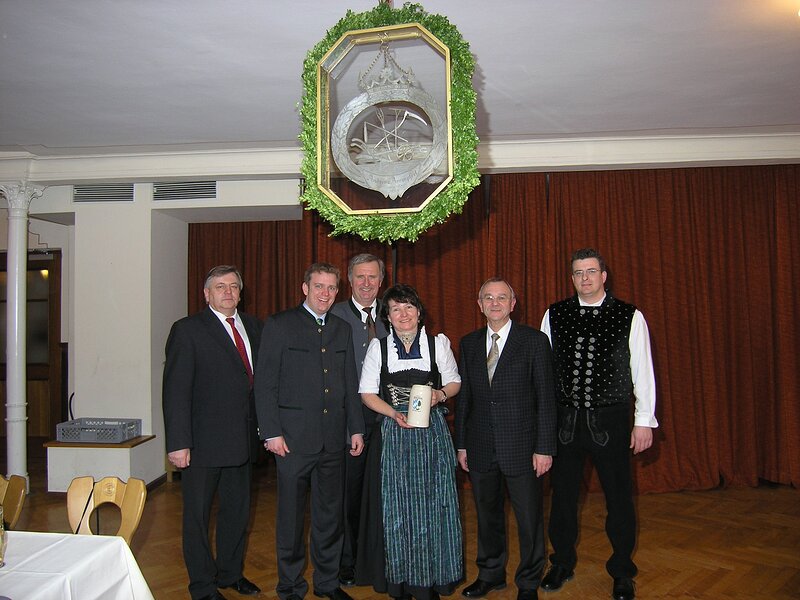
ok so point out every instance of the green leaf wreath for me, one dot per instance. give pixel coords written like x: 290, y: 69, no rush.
x: 409, y: 226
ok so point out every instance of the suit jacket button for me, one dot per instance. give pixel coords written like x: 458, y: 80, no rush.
x: 323, y: 349
x: 324, y: 411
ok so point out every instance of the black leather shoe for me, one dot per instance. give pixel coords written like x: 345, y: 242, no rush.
x: 480, y: 588
x: 623, y: 589
x: 337, y: 594
x: 293, y: 597
x: 555, y: 578
x: 244, y: 586
x: 347, y: 576
x: 215, y: 596
x: 527, y: 595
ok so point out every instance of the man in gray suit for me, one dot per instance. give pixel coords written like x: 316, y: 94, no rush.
x: 506, y: 434
x: 365, y: 273
x: 306, y: 391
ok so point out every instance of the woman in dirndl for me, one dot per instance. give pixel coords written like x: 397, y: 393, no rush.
x: 410, y: 540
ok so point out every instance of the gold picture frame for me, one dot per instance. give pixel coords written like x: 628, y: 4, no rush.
x: 384, y: 123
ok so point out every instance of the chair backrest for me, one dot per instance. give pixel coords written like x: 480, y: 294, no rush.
x: 84, y: 495
x: 12, y: 497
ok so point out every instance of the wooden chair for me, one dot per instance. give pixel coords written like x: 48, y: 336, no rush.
x: 12, y: 497
x: 84, y: 495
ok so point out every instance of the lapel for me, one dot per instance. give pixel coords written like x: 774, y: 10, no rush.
x: 217, y: 331
x: 509, y: 351
x: 253, y: 333
x: 480, y: 359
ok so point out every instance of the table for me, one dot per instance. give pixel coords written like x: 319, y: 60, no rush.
x: 63, y: 566
x: 137, y: 457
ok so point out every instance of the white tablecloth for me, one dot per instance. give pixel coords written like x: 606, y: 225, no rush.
x: 62, y: 566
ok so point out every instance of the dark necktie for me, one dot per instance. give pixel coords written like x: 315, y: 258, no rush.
x: 240, y: 347
x: 371, y: 333
x: 494, y: 356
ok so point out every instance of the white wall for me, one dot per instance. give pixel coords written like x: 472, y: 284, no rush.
x: 168, y: 301
x: 123, y: 285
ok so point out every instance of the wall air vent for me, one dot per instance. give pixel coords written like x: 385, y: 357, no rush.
x: 184, y: 190
x: 103, y: 192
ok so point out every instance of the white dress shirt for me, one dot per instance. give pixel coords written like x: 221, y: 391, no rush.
x: 239, y: 327
x: 371, y: 371
x: 642, y: 374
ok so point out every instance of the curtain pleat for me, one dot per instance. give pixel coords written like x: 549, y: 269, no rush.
x: 707, y: 255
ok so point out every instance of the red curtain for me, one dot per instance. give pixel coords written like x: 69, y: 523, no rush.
x: 706, y: 254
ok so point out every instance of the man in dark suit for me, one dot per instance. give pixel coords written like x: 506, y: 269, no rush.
x: 210, y: 424
x: 306, y: 400
x: 506, y: 432
x: 365, y: 273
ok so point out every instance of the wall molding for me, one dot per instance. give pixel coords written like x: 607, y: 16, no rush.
x: 494, y: 157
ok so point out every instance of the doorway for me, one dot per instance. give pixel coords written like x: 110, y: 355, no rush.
x: 45, y: 353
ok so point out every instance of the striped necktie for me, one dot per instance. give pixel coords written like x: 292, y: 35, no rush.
x: 493, y: 357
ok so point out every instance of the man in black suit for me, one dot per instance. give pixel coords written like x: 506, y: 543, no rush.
x: 306, y: 400
x: 210, y: 424
x: 365, y: 273
x: 506, y: 432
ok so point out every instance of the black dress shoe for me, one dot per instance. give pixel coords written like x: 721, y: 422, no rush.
x: 555, y: 578
x: 244, y: 586
x: 347, y: 576
x: 337, y: 594
x: 215, y: 596
x: 623, y: 589
x: 480, y: 588
x: 527, y: 595
x: 293, y: 597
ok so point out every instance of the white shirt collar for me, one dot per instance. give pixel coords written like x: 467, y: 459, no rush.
x: 598, y: 303
x: 373, y: 308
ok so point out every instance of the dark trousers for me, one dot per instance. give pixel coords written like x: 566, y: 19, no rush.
x: 321, y: 475
x: 199, y: 485
x: 525, y: 493
x: 354, y: 482
x: 613, y: 465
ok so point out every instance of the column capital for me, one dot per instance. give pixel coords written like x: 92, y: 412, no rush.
x: 20, y: 194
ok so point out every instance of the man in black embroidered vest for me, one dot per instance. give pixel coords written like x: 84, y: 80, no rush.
x: 601, y: 348
x: 365, y: 273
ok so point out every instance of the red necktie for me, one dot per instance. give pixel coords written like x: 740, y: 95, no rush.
x: 240, y: 347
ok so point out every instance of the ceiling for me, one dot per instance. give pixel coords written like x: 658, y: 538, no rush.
x: 99, y: 76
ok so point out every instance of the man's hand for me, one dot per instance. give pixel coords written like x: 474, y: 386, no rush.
x: 462, y: 460
x: 356, y: 444
x: 180, y: 458
x: 641, y: 439
x: 277, y: 446
x: 542, y: 463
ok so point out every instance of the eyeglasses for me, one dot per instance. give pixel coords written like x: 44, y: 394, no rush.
x: 502, y: 298
x: 588, y: 272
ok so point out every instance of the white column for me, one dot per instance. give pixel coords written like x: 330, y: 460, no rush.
x: 19, y: 196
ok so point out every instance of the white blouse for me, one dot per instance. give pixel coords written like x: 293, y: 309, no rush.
x: 371, y: 370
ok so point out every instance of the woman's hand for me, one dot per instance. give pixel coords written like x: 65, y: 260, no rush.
x: 400, y: 419
x: 438, y: 396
